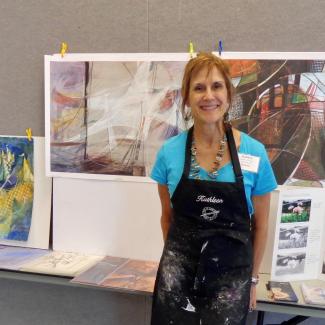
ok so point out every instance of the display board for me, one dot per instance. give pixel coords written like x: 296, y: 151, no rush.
x: 299, y: 236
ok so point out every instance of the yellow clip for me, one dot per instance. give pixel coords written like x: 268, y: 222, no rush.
x: 191, y: 49
x: 64, y: 48
x: 29, y: 134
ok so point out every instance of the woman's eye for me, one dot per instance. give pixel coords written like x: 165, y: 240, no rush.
x: 217, y: 85
x: 198, y: 88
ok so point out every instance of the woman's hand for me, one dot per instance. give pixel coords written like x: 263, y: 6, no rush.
x: 252, y: 301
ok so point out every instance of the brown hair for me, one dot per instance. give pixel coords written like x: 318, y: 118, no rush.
x: 194, y: 65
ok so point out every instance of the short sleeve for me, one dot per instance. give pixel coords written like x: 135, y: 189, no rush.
x: 159, y: 170
x: 265, y: 180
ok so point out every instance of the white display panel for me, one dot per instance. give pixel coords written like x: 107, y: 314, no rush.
x: 107, y: 218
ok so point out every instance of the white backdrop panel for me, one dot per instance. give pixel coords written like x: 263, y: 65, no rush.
x: 107, y: 217
x: 117, y: 218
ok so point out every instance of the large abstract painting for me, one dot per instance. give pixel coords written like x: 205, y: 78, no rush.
x: 108, y: 115
x: 16, y: 187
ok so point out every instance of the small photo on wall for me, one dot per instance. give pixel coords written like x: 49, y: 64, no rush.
x: 293, y: 236
x: 293, y: 263
x: 297, y: 210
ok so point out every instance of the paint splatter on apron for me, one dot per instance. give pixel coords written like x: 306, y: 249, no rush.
x: 205, y: 269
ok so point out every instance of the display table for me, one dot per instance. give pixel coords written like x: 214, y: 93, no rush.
x: 116, y: 306
x: 266, y: 304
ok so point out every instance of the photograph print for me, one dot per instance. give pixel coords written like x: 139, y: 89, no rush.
x: 291, y: 263
x: 295, y: 210
x: 293, y: 236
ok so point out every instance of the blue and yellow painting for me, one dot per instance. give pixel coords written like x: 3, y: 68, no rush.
x: 16, y: 187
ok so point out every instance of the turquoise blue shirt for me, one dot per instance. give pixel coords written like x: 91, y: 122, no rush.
x: 170, y: 159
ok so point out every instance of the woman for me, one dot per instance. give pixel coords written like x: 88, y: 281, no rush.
x: 209, y: 267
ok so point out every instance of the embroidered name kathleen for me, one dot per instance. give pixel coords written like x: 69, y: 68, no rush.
x: 210, y: 199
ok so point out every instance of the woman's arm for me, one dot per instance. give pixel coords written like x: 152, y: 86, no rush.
x: 261, y: 205
x: 260, y: 228
x: 166, y: 209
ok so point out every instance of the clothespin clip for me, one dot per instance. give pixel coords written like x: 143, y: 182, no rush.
x: 191, y: 49
x: 220, y: 48
x: 64, y: 48
x: 29, y: 134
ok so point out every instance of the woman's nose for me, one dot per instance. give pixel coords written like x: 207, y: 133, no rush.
x: 208, y: 94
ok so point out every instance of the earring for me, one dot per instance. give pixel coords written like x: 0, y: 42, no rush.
x: 226, y: 117
x: 188, y: 114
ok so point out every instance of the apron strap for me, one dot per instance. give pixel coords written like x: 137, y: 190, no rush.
x: 233, y: 152
x: 187, y: 164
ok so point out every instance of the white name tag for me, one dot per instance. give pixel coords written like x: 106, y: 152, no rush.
x: 248, y: 162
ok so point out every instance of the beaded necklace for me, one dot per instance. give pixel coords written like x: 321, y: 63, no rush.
x: 195, y: 168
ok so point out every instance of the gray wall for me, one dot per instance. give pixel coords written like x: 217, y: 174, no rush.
x: 31, y: 28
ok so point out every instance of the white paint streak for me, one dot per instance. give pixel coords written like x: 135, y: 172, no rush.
x: 189, y: 306
x: 204, y: 246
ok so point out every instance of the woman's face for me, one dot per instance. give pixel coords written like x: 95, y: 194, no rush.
x: 208, y: 96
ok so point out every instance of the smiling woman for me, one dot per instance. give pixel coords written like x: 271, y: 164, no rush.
x: 208, y: 96
x: 209, y: 267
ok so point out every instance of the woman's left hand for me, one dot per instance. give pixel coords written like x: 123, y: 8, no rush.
x: 252, y: 301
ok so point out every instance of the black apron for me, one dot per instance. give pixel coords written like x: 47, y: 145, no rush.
x: 205, y: 269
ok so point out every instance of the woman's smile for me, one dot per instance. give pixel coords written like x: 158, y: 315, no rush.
x: 209, y: 107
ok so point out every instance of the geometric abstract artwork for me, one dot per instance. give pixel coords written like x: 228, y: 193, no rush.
x: 16, y: 187
x: 107, y: 115
x: 282, y: 104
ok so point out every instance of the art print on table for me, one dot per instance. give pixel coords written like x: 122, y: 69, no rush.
x: 133, y: 275
x: 12, y: 258
x: 107, y: 115
x: 61, y: 263
x: 16, y: 187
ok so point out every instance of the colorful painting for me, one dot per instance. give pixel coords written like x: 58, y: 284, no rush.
x: 122, y: 274
x: 110, y: 117
x: 133, y: 275
x: 16, y: 187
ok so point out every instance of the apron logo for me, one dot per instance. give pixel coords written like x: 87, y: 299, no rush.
x: 209, y: 213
